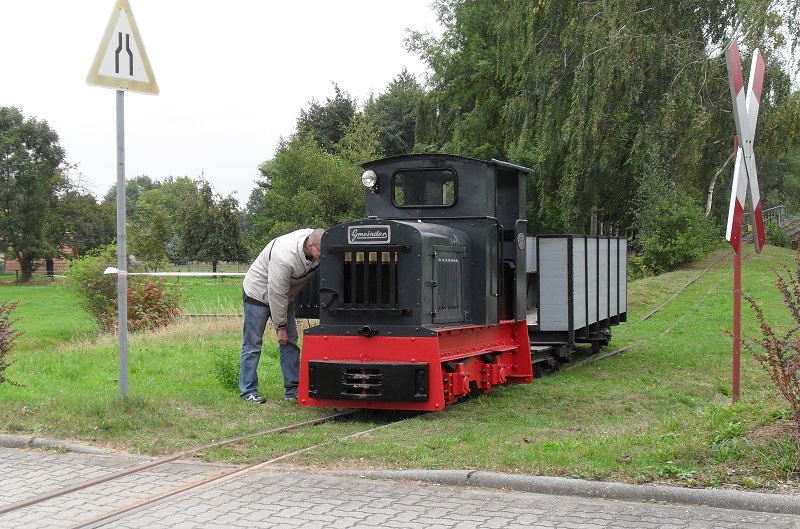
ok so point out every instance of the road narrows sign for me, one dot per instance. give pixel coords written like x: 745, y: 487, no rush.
x: 121, y: 61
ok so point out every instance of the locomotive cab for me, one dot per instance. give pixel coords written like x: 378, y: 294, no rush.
x: 485, y: 200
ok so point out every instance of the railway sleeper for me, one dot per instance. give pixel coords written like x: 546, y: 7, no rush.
x: 549, y: 358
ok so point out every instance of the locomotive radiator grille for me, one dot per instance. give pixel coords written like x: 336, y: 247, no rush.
x: 370, y: 279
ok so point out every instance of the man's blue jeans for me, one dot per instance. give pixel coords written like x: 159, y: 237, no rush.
x: 255, y: 323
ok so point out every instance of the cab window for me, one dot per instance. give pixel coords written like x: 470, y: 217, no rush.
x: 424, y: 188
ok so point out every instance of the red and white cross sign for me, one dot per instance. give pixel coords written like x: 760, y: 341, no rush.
x: 745, y: 112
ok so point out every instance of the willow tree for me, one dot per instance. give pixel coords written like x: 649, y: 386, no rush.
x: 611, y: 102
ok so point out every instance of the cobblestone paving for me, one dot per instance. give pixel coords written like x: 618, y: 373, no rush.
x: 27, y: 474
x: 285, y: 499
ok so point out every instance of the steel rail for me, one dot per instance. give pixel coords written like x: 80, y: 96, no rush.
x: 162, y: 461
x: 224, y: 476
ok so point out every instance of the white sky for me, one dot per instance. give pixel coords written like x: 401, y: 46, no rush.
x: 233, y: 77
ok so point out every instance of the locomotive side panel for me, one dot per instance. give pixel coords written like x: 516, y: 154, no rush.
x: 482, y: 262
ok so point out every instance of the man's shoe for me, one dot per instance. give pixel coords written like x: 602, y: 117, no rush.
x: 254, y: 398
x: 290, y: 397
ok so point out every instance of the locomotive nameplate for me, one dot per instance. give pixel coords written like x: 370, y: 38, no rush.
x: 369, y: 234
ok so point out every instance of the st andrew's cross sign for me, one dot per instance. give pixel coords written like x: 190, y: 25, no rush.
x: 745, y: 113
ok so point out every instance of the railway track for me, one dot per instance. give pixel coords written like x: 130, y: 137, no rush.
x: 602, y: 355
x: 114, y: 482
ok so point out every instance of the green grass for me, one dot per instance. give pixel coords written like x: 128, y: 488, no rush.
x: 660, y: 411
x: 48, y: 315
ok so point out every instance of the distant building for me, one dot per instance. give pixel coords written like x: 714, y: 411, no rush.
x: 59, y: 266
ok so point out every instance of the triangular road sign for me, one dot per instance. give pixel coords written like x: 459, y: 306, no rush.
x: 121, y: 61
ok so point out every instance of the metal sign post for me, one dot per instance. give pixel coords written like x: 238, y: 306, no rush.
x: 745, y: 112
x: 122, y: 248
x: 121, y: 63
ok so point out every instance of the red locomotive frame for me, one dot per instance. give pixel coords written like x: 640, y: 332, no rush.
x: 460, y: 361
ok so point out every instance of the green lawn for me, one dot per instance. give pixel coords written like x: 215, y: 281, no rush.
x: 660, y: 410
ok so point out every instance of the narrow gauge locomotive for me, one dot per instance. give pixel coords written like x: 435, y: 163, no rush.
x: 439, y: 293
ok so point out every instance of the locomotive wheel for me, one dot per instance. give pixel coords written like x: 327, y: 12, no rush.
x: 475, y: 391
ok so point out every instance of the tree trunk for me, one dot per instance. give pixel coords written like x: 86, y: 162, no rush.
x: 712, y: 185
x: 26, y: 269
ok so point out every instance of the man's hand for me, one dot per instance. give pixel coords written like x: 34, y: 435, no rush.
x: 283, y: 336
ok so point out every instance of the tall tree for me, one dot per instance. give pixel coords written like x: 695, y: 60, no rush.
x: 360, y: 142
x: 82, y: 223
x: 31, y: 178
x: 133, y: 186
x: 256, y: 218
x: 152, y: 226
x: 327, y: 123
x: 209, y: 229
x: 394, y: 114
x: 180, y: 187
x: 305, y: 186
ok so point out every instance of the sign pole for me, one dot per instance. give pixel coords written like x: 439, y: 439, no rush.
x: 122, y: 251
x: 737, y: 321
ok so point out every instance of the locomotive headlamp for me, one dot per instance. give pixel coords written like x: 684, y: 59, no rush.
x: 369, y: 178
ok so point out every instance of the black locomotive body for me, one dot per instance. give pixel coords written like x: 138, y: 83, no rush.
x: 431, y: 297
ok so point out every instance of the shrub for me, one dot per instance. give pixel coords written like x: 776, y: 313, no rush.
x: 776, y: 236
x: 95, y: 290
x: 671, y: 229
x: 780, y: 355
x: 152, y: 302
x: 637, y: 269
x: 8, y: 337
x: 678, y: 234
x: 226, y: 369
